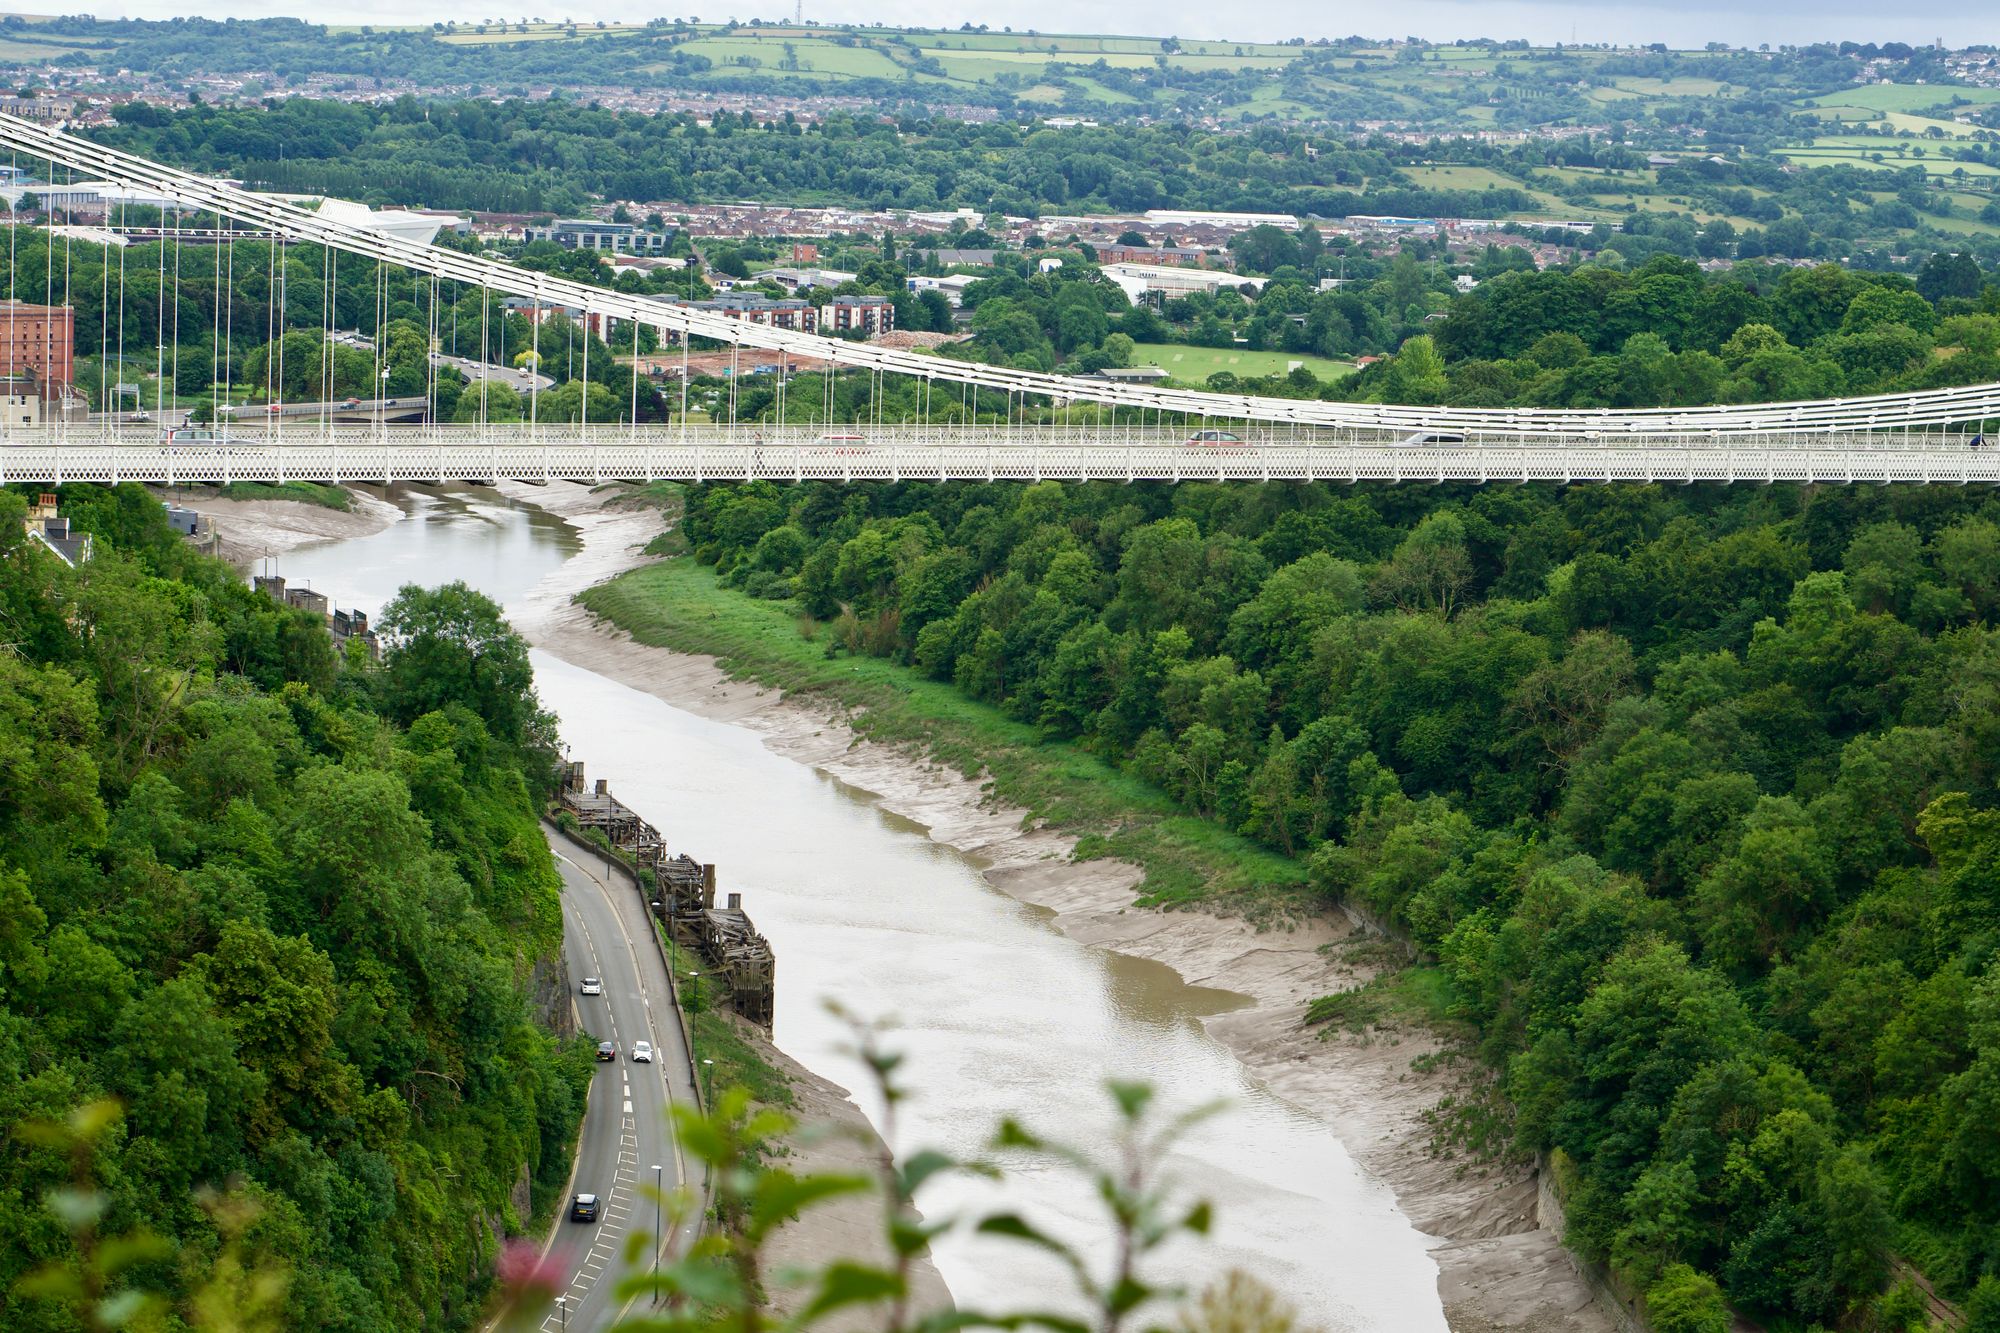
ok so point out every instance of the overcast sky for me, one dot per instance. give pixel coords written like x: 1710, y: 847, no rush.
x: 1677, y: 22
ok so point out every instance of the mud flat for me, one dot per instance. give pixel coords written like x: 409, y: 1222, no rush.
x: 253, y: 530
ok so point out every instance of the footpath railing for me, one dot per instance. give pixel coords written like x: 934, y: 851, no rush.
x: 437, y: 454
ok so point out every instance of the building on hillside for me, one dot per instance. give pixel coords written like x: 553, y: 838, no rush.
x: 947, y: 258
x: 803, y: 279
x: 591, y: 234
x: 38, y: 108
x: 38, y: 340
x: 1186, y: 256
x: 48, y: 529
x: 342, y: 625
x: 352, y: 626
x: 198, y: 529
x: 1168, y: 217
x: 541, y: 312
x: 785, y: 313
x: 1140, y: 280
x: 872, y: 315
x: 951, y: 286
x: 1132, y: 374
x: 20, y: 401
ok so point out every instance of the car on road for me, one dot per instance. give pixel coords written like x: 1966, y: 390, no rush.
x: 591, y: 986
x: 1427, y: 437
x: 193, y: 437
x: 350, y: 402
x: 607, y: 1050
x: 642, y: 1051
x: 1215, y: 439
x: 583, y: 1208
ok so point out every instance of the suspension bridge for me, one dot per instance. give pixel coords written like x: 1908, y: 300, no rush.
x: 971, y: 421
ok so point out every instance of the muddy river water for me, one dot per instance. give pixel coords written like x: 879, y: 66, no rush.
x: 997, y: 1011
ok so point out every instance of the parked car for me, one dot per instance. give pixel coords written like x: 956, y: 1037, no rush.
x: 583, y: 1208
x: 591, y: 986
x: 642, y: 1051
x: 607, y: 1050
x: 1215, y: 439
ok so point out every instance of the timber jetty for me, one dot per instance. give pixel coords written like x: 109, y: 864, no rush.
x: 681, y: 895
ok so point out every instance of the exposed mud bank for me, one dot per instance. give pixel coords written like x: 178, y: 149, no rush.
x: 253, y: 530
x: 1498, y: 1268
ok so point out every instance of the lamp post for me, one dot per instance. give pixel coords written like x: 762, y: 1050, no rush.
x: 659, y: 1239
x: 562, y: 1304
x: 382, y: 402
x: 694, y: 991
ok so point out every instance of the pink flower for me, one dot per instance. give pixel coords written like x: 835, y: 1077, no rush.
x: 523, y: 1270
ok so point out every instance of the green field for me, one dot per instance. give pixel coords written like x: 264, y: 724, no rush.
x: 1460, y: 178
x: 814, y: 55
x: 1891, y: 161
x: 1193, y: 365
x: 1905, y: 97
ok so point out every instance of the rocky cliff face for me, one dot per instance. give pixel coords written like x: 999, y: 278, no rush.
x: 549, y: 993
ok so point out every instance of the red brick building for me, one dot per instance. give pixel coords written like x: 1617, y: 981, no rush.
x: 872, y: 315
x: 38, y: 340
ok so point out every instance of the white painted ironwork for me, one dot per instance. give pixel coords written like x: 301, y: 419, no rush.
x: 951, y: 452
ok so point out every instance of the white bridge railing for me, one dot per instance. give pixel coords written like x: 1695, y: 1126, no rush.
x: 342, y: 454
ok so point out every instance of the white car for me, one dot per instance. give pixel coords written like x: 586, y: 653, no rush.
x: 643, y: 1051
x: 1429, y: 437
x: 591, y: 986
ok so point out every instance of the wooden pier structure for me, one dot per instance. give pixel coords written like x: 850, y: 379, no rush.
x: 682, y: 897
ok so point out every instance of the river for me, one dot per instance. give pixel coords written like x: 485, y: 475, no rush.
x: 997, y: 1011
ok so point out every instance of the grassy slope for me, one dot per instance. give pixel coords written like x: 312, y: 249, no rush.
x: 678, y: 604
x: 1195, y: 364
x: 305, y: 492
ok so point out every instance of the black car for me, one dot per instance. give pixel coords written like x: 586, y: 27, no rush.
x: 607, y: 1050
x: 583, y: 1208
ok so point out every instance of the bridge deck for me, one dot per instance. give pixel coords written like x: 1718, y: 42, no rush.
x: 550, y: 453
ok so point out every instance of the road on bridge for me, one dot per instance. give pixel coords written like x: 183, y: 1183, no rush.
x: 626, y: 1131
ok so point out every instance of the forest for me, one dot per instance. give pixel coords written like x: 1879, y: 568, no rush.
x: 1683, y: 799
x: 558, y: 154
x: 273, y: 921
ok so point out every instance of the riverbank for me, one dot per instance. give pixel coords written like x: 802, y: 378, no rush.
x: 253, y: 530
x: 840, y: 1138
x: 1498, y: 1269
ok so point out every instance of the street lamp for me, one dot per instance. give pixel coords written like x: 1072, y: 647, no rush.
x: 382, y: 402
x: 659, y: 1238
x: 562, y: 1304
